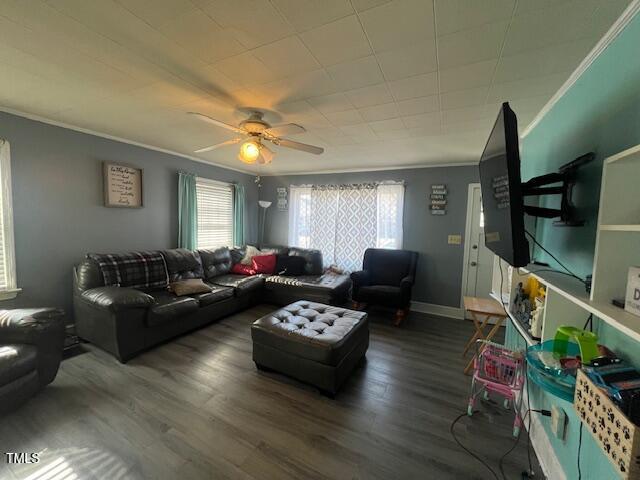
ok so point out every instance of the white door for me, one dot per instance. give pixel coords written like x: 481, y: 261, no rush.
x: 479, y: 259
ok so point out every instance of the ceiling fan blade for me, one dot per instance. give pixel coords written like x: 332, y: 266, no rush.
x: 287, y: 129
x: 217, y: 123
x: 218, y: 145
x: 266, y: 155
x: 284, y: 142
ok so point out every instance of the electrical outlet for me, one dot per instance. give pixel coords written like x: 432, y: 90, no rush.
x: 454, y: 239
x: 558, y: 422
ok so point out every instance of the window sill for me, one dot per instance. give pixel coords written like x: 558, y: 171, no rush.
x: 9, y: 294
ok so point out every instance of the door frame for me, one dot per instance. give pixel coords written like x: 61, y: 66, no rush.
x: 467, y: 241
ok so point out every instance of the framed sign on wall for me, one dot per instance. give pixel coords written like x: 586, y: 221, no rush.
x: 122, y: 185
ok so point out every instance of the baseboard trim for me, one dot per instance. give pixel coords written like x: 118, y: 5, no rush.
x: 439, y: 310
x: 547, y: 458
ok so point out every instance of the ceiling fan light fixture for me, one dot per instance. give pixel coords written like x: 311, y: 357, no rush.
x: 249, y: 151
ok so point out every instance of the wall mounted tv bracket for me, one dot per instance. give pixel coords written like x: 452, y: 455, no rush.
x: 544, y: 185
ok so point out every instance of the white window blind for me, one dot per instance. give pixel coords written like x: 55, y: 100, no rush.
x: 215, y: 213
x: 8, y: 287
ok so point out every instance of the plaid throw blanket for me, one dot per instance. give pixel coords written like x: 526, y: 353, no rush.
x: 135, y: 269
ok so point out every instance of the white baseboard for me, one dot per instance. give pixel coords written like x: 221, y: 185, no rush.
x: 439, y: 310
x: 547, y: 458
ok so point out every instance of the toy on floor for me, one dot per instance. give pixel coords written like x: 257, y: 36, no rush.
x: 497, y: 370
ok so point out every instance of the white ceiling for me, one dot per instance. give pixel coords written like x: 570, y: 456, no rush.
x: 377, y: 83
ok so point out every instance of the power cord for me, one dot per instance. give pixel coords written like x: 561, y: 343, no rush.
x: 570, y: 273
x: 579, y: 448
x: 506, y: 307
x: 477, y: 457
x: 546, y: 413
x: 589, y: 322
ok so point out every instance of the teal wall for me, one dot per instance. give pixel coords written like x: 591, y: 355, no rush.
x: 599, y: 113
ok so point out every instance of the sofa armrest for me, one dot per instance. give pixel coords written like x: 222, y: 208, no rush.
x: 406, y: 284
x: 361, y: 278
x: 31, y: 326
x: 117, y: 298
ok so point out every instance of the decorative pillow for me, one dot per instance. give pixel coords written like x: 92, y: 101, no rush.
x: 290, y: 266
x: 264, y: 263
x: 249, y: 254
x: 189, y: 287
x: 241, y: 269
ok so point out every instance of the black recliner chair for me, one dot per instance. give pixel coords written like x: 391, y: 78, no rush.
x: 386, y: 279
x: 31, y: 345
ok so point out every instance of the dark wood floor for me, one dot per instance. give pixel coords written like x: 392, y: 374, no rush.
x: 197, y: 408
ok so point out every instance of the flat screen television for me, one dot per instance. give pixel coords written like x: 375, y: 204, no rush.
x: 502, y: 199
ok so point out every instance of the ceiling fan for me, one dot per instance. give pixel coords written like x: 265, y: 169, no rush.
x: 253, y: 131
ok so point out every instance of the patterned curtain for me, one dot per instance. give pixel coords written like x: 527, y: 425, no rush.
x: 356, y: 225
x: 342, y: 221
x: 324, y: 215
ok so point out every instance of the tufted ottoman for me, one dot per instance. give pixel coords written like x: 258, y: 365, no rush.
x: 316, y: 343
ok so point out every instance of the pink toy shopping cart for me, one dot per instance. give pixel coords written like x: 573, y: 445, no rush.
x: 500, y: 371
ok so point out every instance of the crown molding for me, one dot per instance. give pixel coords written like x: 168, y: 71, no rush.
x: 88, y: 131
x: 613, y: 32
x: 369, y: 169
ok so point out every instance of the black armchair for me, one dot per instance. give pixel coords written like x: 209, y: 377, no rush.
x: 31, y: 344
x: 386, y: 278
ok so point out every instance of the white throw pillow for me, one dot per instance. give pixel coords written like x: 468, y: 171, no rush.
x: 250, y: 253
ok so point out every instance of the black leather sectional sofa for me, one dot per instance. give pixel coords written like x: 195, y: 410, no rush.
x: 126, y: 321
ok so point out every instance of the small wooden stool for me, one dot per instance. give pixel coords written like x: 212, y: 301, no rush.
x: 488, y: 308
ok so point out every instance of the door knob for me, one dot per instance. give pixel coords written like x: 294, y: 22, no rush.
x: 473, y: 264
x: 475, y: 247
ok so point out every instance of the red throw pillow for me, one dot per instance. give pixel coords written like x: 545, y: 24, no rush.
x: 264, y: 263
x: 243, y: 269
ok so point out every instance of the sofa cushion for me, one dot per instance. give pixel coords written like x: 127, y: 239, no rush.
x: 183, y: 264
x: 242, y: 284
x: 388, y: 267
x: 168, y: 307
x: 142, y: 269
x: 329, y: 282
x: 237, y: 254
x: 240, y: 269
x: 314, y: 331
x: 313, y: 259
x: 16, y: 361
x: 190, y: 286
x: 290, y: 266
x: 264, y: 263
x: 249, y: 253
x: 380, y: 294
x: 217, y: 294
x: 215, y: 262
x: 277, y: 249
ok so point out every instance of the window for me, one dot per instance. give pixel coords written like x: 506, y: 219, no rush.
x: 215, y: 213
x: 300, y: 216
x: 8, y: 287
x: 342, y: 221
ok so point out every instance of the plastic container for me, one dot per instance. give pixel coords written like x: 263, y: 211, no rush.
x: 546, y: 368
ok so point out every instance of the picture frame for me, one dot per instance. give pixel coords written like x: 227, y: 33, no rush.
x: 123, y: 185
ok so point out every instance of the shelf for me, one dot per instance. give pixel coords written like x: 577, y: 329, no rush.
x: 620, y: 228
x: 522, y: 329
x: 565, y: 285
x: 574, y: 291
